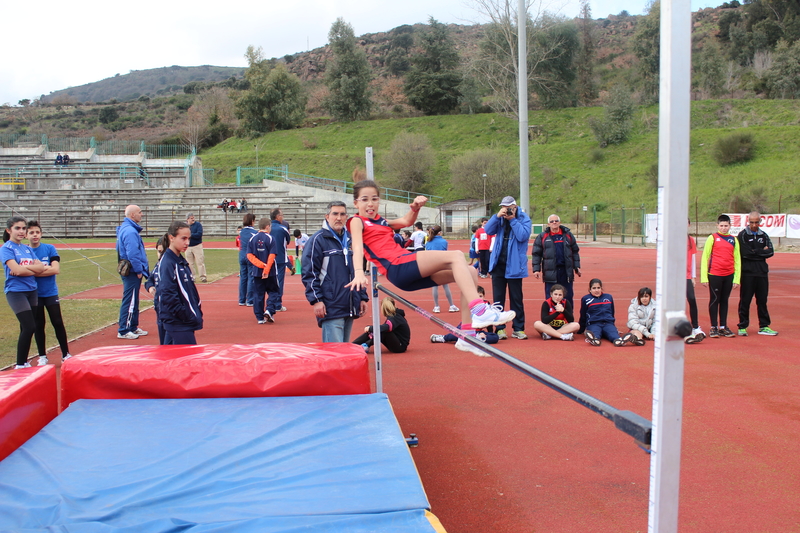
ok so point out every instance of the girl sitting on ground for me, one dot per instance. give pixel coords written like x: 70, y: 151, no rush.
x: 411, y: 271
x: 597, y: 317
x: 558, y: 320
x: 487, y: 334
x: 395, y: 333
x: 642, y: 316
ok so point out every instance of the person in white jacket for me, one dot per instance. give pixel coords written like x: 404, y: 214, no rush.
x: 642, y: 316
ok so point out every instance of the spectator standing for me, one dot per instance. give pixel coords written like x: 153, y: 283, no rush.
x: 261, y: 252
x: 720, y: 270
x: 194, y: 254
x: 179, y: 307
x: 327, y: 267
x: 300, y: 240
x: 21, y: 265
x: 556, y: 257
x: 484, y: 249
x: 755, y: 248
x: 691, y: 276
x: 245, y: 279
x: 437, y: 242
x: 47, y: 293
x: 508, y: 262
x: 131, y: 247
x: 418, y: 238
x: 150, y: 287
x: 280, y: 234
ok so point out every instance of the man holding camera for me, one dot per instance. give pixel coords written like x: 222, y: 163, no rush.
x: 508, y: 263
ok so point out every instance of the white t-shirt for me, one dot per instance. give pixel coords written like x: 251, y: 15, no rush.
x: 418, y: 238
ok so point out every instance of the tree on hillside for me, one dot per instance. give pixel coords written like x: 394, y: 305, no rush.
x: 710, y: 70
x: 275, y: 100
x: 432, y: 84
x: 551, y: 43
x: 398, y: 60
x: 409, y: 161
x: 348, y: 76
x: 647, y: 48
x: 500, y: 168
x: 586, y: 87
x: 783, y: 76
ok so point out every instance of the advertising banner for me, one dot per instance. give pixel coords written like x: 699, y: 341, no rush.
x: 772, y: 225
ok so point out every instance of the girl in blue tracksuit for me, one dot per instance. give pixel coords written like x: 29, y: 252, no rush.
x: 437, y: 242
x: 21, y: 265
x: 597, y: 317
x: 150, y: 286
x: 177, y: 298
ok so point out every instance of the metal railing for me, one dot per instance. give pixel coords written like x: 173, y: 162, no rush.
x: 255, y: 175
x: 11, y: 183
x: 82, y: 144
x: 13, y: 140
x: 200, y: 177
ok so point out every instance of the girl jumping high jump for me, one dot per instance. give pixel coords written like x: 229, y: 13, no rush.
x: 411, y: 271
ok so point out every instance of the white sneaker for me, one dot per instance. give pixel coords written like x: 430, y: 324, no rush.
x: 464, y: 346
x: 131, y: 336
x: 546, y: 337
x: 501, y: 334
x: 454, y: 309
x: 66, y: 357
x: 437, y: 309
x: 493, y: 315
x: 566, y: 336
x: 437, y: 338
x: 269, y: 316
x: 43, y: 360
x: 26, y: 365
x: 140, y: 332
x: 281, y: 310
x: 262, y: 321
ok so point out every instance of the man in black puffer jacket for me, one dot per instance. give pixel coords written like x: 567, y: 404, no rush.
x: 555, y: 256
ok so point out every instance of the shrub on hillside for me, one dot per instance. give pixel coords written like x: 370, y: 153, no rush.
x: 409, y: 161
x: 735, y: 148
x: 615, y: 127
x: 500, y: 168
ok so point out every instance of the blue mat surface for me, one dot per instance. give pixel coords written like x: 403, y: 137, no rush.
x: 274, y: 465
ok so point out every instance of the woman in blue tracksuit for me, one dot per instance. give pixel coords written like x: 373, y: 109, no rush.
x: 245, y: 279
x: 177, y: 298
x: 597, y: 317
x: 437, y: 242
x: 150, y: 287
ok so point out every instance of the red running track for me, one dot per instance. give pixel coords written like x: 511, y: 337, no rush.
x: 501, y: 453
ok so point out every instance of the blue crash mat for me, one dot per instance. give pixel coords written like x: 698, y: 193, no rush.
x: 326, y: 463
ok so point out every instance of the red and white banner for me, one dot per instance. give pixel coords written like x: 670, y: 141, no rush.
x: 772, y: 225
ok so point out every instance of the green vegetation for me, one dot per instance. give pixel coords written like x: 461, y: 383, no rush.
x: 567, y: 172
x: 735, y: 148
x: 82, y: 316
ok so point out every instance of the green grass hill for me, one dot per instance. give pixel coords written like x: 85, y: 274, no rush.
x: 569, y: 170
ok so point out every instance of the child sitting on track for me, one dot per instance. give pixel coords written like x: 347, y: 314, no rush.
x: 642, y: 316
x: 597, y: 317
x: 395, y: 333
x: 409, y: 271
x: 558, y: 320
x: 487, y: 334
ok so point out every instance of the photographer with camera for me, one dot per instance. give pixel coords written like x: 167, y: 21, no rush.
x: 508, y: 263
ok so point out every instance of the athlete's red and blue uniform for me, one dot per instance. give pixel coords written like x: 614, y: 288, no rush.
x: 398, y: 264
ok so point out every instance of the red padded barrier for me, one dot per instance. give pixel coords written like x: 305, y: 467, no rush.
x: 27, y: 404
x: 215, y: 371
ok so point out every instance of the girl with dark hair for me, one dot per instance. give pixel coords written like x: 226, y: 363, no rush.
x: 20, y: 266
x: 395, y: 333
x: 150, y: 287
x: 411, y: 271
x: 642, y: 316
x: 47, y: 293
x: 178, y: 302
x: 437, y: 242
x: 597, y: 317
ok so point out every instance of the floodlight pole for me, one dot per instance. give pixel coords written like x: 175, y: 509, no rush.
x: 522, y: 96
x: 673, y: 201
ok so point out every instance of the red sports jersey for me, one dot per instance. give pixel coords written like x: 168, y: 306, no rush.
x: 722, y: 261
x: 379, y: 244
x: 691, y: 253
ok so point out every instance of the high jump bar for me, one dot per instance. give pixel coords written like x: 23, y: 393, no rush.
x: 628, y: 422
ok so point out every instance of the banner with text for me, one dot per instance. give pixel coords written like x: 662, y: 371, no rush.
x: 793, y: 226
x: 772, y: 225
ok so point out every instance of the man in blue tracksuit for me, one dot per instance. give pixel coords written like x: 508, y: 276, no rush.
x: 327, y: 267
x: 131, y: 247
x: 508, y: 263
x: 282, y: 238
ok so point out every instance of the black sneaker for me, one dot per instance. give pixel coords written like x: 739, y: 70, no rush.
x: 713, y: 333
x: 725, y: 332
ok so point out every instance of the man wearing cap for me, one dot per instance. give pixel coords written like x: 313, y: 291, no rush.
x: 508, y: 263
x: 555, y: 257
x: 194, y: 254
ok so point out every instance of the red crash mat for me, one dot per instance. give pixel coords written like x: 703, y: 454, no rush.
x: 215, y: 371
x: 27, y: 404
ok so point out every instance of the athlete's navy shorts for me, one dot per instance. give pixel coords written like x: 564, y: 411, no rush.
x: 406, y: 277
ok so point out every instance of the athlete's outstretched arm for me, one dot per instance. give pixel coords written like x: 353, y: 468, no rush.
x: 357, y: 235
x: 409, y: 218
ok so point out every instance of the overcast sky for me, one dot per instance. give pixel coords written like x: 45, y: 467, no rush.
x: 48, y: 45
